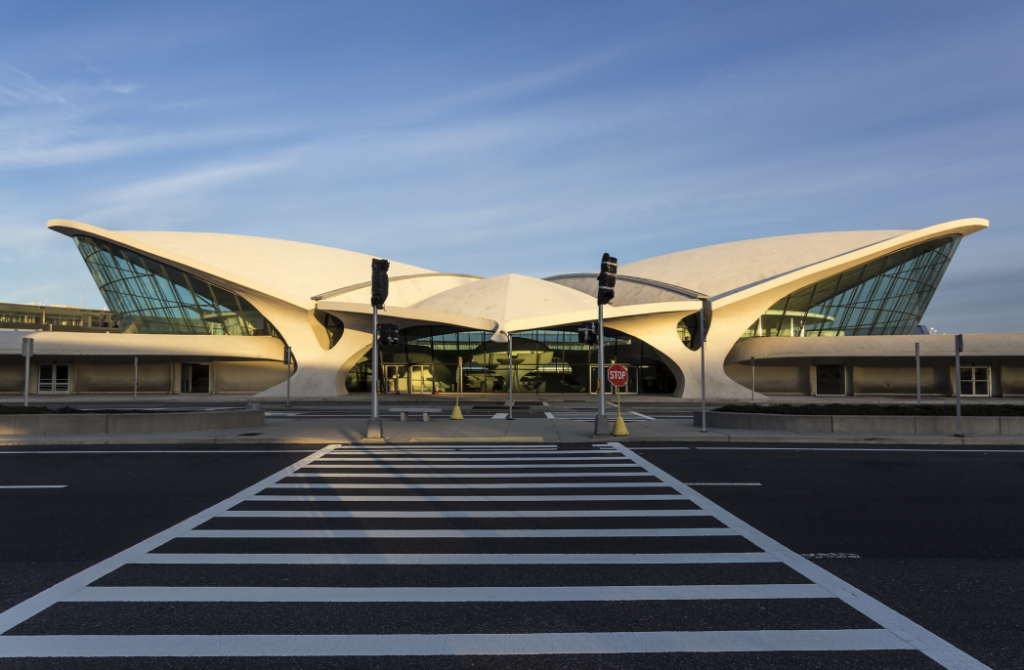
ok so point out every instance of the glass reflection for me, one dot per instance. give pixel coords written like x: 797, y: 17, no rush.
x: 149, y: 297
x: 887, y: 296
x: 543, y: 361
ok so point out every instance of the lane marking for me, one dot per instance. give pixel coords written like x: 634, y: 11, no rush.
x: 81, y: 646
x: 455, y: 533
x: 409, y: 486
x: 455, y: 559
x: 643, y: 416
x: 476, y: 594
x: 172, y: 451
x: 485, y: 465
x: 832, y: 555
x: 977, y: 450
x: 440, y: 514
x: 344, y: 498
x: 39, y: 602
x: 36, y: 486
x: 500, y: 415
x: 913, y: 634
x: 549, y: 415
x: 721, y: 484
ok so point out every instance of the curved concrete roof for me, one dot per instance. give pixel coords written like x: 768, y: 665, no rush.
x: 297, y: 269
x: 510, y: 298
x: 721, y: 268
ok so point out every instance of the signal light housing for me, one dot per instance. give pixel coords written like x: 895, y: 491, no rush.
x: 379, y: 283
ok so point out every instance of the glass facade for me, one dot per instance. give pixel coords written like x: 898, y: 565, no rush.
x: 887, y: 296
x: 543, y: 361
x: 149, y: 297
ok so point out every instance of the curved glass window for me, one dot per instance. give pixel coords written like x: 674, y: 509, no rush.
x: 152, y: 298
x: 887, y: 296
x: 553, y: 360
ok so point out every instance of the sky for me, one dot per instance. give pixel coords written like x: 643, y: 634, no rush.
x: 488, y: 137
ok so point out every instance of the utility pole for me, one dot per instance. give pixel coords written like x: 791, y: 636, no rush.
x: 378, y: 296
x: 27, y: 347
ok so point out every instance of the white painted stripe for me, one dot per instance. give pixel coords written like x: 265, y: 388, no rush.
x: 439, y: 514
x: 496, y: 453
x: 456, y: 533
x: 188, y: 646
x: 36, y: 604
x: 36, y: 486
x: 478, y: 594
x: 981, y: 449
x: 721, y: 484
x: 643, y: 416
x: 411, y: 498
x: 168, y: 451
x: 549, y: 415
x: 500, y: 415
x: 916, y: 636
x: 463, y: 486
x: 595, y: 455
x: 466, y: 475
x: 621, y: 463
x: 454, y: 559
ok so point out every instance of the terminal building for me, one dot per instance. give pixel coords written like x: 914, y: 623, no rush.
x: 813, y: 314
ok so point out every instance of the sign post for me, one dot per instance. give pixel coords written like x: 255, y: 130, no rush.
x: 135, y: 392
x: 917, y: 362
x: 753, y: 379
x: 27, y: 346
x: 457, y: 412
x: 959, y: 348
x: 288, y: 379
x: 618, y: 375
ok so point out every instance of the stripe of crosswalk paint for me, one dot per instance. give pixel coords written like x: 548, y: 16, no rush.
x: 479, y: 594
x: 463, y: 451
x: 327, y: 533
x: 455, y: 559
x: 411, y: 498
x: 545, y: 513
x: 36, y: 486
x: 622, y: 463
x: 465, y: 475
x: 445, y: 645
x: 464, y: 485
x: 572, y: 461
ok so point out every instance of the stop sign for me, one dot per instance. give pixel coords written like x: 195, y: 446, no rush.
x: 617, y: 375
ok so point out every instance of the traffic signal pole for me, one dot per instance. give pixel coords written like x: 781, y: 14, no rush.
x: 600, y: 421
x: 374, y: 409
x: 378, y: 295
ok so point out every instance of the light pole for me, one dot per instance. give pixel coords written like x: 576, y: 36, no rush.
x: 27, y: 347
x: 378, y: 295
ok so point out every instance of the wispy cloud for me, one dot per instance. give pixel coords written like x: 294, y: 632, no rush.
x: 20, y: 88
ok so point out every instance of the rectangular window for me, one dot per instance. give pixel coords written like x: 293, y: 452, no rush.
x: 975, y: 381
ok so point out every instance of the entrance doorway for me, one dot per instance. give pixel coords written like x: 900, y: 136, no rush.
x: 421, y: 378
x: 53, y: 378
x: 632, y: 386
x: 195, y: 378
x: 394, y: 379
x: 831, y: 380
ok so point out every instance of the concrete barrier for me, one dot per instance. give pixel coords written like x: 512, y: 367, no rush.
x: 867, y: 425
x: 141, y: 422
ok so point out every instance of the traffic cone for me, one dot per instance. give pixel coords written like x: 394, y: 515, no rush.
x: 456, y: 413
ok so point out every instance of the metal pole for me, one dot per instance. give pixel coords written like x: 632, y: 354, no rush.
x: 135, y: 392
x: 373, y: 392
x: 288, y: 380
x: 958, y: 343
x: 917, y: 361
x: 753, y: 379
x: 600, y: 421
x: 703, y: 396
x: 27, y: 344
x: 510, y: 417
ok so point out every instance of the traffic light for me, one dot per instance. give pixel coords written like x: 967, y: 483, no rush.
x: 388, y: 333
x: 606, y: 280
x: 587, y: 333
x: 379, y: 283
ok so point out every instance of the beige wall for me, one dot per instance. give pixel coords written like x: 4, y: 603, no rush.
x: 245, y: 377
x: 12, y: 375
x: 103, y: 377
x: 935, y: 380
x: 1013, y: 380
x: 772, y: 379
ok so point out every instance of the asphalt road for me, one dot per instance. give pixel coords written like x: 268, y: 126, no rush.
x: 934, y: 535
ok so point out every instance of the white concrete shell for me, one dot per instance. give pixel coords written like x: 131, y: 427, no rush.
x: 294, y: 285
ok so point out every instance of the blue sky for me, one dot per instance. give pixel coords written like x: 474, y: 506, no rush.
x: 489, y: 137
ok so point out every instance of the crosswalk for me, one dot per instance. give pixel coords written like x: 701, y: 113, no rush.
x: 446, y: 551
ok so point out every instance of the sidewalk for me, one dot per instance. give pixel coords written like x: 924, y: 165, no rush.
x: 482, y: 431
